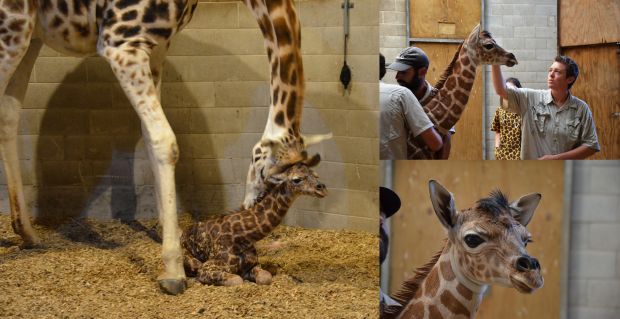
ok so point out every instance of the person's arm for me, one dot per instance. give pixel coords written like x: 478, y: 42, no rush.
x: 581, y: 152
x: 498, y: 81
x: 444, y: 152
x: 417, y: 120
x: 432, y: 139
x: 497, y: 139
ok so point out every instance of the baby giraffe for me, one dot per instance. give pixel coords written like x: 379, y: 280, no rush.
x: 220, y: 251
x: 486, y: 245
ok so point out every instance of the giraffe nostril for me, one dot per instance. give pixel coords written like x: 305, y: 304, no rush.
x: 525, y: 263
x: 320, y: 186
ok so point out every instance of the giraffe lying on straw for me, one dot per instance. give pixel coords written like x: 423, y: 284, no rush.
x: 220, y: 251
x: 451, y: 93
x: 133, y: 37
x: 485, y: 245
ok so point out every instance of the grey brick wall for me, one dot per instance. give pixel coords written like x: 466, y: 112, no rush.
x: 527, y: 28
x: 82, y: 154
x: 594, y: 268
x: 392, y: 31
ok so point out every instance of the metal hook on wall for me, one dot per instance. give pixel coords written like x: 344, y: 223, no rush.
x: 345, y: 73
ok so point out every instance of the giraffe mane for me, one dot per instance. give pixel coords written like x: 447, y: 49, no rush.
x: 410, y: 287
x: 496, y: 204
x: 448, y: 70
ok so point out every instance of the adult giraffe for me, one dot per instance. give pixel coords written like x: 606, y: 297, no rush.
x: 133, y: 37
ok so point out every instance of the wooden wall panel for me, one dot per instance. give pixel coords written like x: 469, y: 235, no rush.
x: 467, y: 142
x: 599, y: 85
x: 453, y: 19
x: 417, y: 233
x: 585, y: 22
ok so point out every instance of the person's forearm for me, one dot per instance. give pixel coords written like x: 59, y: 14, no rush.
x: 498, y: 81
x: 444, y: 152
x: 497, y: 139
x: 581, y: 152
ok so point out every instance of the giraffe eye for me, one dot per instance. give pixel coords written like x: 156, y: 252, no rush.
x: 488, y: 46
x: 297, y: 180
x: 473, y: 241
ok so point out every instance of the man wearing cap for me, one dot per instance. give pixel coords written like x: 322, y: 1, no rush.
x: 554, y: 123
x: 411, y: 66
x: 402, y: 113
x: 389, y: 204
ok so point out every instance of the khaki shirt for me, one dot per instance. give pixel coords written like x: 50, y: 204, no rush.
x: 400, y: 112
x: 548, y: 129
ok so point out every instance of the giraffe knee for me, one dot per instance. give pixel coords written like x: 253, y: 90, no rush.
x: 9, y: 117
x: 165, y: 148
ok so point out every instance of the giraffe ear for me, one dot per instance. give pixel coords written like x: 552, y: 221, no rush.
x: 313, y: 161
x: 475, y: 34
x: 315, y: 139
x: 523, y: 208
x: 443, y: 204
x: 276, y: 179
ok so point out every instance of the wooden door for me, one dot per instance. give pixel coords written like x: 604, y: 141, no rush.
x: 593, y: 44
x: 437, y: 26
x: 416, y: 233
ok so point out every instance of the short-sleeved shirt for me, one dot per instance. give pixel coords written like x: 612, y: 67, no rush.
x: 400, y: 112
x: 508, y: 125
x: 548, y: 129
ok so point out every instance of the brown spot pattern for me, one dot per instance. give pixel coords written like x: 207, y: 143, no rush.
x: 453, y: 304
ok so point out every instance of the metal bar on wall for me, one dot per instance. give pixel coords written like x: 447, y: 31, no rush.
x: 484, y: 81
x: 564, y: 285
x: 433, y: 40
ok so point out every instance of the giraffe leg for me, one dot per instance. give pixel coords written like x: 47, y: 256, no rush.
x: 216, y: 273
x: 191, y: 264
x: 131, y: 65
x: 256, y: 273
x: 16, y: 61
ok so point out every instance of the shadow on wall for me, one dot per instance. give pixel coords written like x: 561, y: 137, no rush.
x: 102, y: 170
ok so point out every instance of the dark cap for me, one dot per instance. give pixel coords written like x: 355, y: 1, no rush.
x: 410, y: 57
x: 388, y: 201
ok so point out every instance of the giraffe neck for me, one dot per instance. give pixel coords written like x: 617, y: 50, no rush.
x: 282, y: 33
x: 445, y: 292
x: 270, y: 211
x: 446, y: 108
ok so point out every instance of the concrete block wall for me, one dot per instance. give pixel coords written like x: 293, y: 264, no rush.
x: 527, y: 28
x: 594, y: 268
x: 393, y: 35
x: 80, y: 147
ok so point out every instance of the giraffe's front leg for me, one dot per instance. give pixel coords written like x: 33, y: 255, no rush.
x: 256, y: 273
x: 131, y: 65
x: 214, y: 272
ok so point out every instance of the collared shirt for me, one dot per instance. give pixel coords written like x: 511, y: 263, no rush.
x: 400, y: 112
x: 548, y: 129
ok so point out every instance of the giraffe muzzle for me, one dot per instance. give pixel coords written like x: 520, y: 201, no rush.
x: 512, y: 60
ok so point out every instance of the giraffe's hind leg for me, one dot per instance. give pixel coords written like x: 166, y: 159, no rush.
x: 16, y: 61
x: 131, y: 65
x: 253, y: 270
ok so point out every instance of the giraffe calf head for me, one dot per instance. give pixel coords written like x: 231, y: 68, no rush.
x: 298, y: 177
x: 485, y: 50
x: 490, y: 240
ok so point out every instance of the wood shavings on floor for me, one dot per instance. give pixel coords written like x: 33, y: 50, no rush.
x: 94, y: 269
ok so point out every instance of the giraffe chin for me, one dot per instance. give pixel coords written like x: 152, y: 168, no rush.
x: 523, y: 287
x: 511, y: 63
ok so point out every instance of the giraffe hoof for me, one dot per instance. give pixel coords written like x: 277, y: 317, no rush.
x: 233, y: 281
x: 263, y: 278
x: 172, y: 286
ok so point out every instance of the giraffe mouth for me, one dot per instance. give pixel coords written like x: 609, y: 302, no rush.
x: 522, y: 286
x: 511, y: 63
